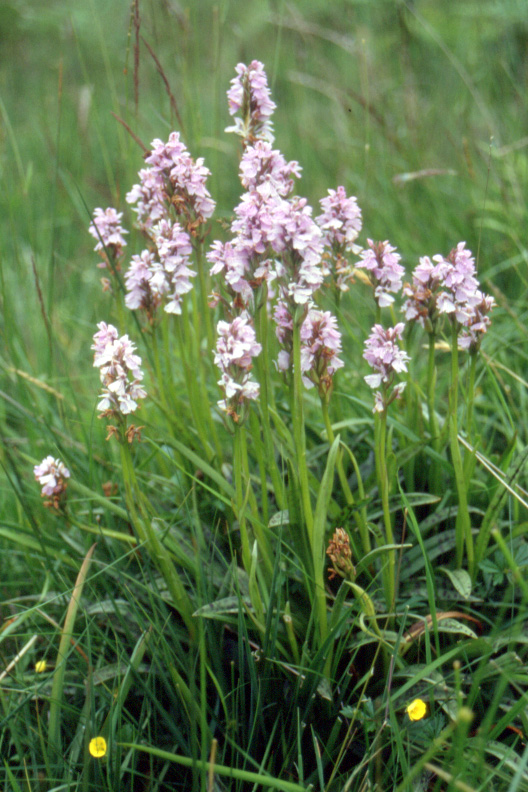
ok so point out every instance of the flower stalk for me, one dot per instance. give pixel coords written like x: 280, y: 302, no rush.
x: 383, y: 353
x: 469, y: 458
x: 298, y: 427
x: 266, y: 397
x: 241, y: 494
x: 431, y: 390
x: 388, y: 572
x: 138, y: 508
x: 463, y: 524
x: 359, y: 518
x: 192, y: 385
x: 434, y: 429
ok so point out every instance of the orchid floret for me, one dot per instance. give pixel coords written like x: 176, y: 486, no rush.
x: 120, y: 371
x: 340, y: 221
x: 386, y: 358
x: 249, y: 95
x: 382, y: 262
x: 235, y: 349
x: 261, y: 164
x: 174, y: 181
x: 106, y: 228
x: 51, y: 475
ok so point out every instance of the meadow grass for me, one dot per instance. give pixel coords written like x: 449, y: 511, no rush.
x: 178, y: 599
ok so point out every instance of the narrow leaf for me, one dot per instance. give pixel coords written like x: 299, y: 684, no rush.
x: 62, y: 655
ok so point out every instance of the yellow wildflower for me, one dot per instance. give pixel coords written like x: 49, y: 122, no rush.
x: 97, y: 747
x: 416, y: 709
x: 40, y: 666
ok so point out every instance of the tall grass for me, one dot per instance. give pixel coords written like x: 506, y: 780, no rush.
x: 180, y: 602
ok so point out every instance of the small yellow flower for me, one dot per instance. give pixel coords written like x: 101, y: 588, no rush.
x: 97, y: 747
x: 40, y: 666
x: 416, y: 710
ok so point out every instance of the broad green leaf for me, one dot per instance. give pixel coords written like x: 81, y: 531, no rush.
x: 413, y: 499
x: 279, y: 518
x: 507, y: 755
x: 455, y: 626
x: 227, y: 605
x: 460, y: 579
x: 434, y: 546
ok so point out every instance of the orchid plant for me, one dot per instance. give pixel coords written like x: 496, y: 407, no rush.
x: 272, y: 272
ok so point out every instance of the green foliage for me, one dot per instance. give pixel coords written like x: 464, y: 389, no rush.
x: 182, y: 598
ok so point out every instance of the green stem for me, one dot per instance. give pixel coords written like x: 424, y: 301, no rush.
x: 247, y: 478
x: 136, y: 504
x: 463, y: 524
x: 471, y: 396
x: 298, y: 430
x: 192, y: 386
x: 169, y: 359
x: 433, y: 420
x: 168, y: 391
x: 431, y: 388
x: 261, y: 461
x: 204, y: 408
x: 159, y: 374
x: 469, y: 458
x: 361, y: 524
x: 362, y: 497
x: 120, y: 311
x: 131, y: 491
x: 117, y: 288
x: 204, y: 292
x: 238, y: 467
x: 383, y: 480
x: 263, y: 364
x: 258, y: 528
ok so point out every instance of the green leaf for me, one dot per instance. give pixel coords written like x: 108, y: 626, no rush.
x: 259, y: 779
x: 199, y: 464
x: 413, y: 499
x: 460, y: 579
x: 367, y: 559
x: 318, y: 536
x: 367, y: 607
x: 227, y: 605
x: 321, y: 507
x: 490, y: 567
x: 508, y: 757
x: 279, y: 518
x: 54, y: 728
x: 497, y: 502
x: 27, y: 540
x: 432, y: 547
x: 454, y: 626
x: 294, y: 498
